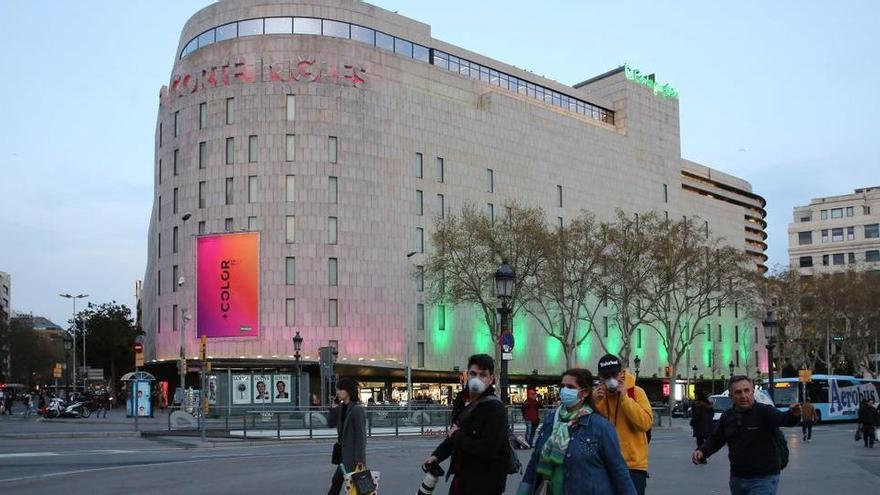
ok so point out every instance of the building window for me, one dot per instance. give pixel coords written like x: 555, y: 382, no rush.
x: 419, y: 166
x: 175, y: 155
x: 850, y: 211
x: 850, y: 233
x: 174, y: 196
x: 175, y: 273
x: 420, y: 317
x: 230, y: 111
x: 605, y: 326
x: 332, y: 274
x: 290, y: 229
x: 806, y: 218
x: 202, y: 228
x: 203, y: 115
x: 665, y: 193
x: 824, y: 235
x: 559, y: 196
x: 159, y: 209
x: 706, y: 228
x: 290, y: 312
x: 806, y: 261
x: 332, y: 190
x: 252, y: 223
x: 490, y: 212
x: 420, y: 278
x: 174, y: 313
x: 872, y: 231
x: 228, y: 225
x: 203, y: 154
x: 440, y: 172
x: 290, y: 188
x: 290, y: 270
x: 252, y: 189
x: 737, y: 358
x: 159, y: 244
x: 441, y: 317
x: 158, y: 320
x: 160, y: 134
x: 291, y: 108
x: 824, y: 260
x: 736, y: 337
x: 159, y: 283
x: 160, y: 171
x: 332, y: 149
x: 490, y: 180
x: 866, y: 210
x: 290, y: 147
x: 837, y: 213
x: 838, y: 258
x: 230, y: 150
x: 174, y: 241
x: 331, y: 230
x: 177, y: 123
x: 837, y: 235
x: 639, y: 338
x: 441, y: 206
x: 252, y: 149
x: 823, y: 214
x: 720, y: 334
x: 420, y: 355
x: 333, y: 313
x: 229, y: 190
x: 805, y: 238
x: 708, y: 332
x: 420, y: 240
x: 872, y: 255
x: 852, y: 258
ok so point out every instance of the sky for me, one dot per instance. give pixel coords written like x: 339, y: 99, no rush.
x: 783, y: 94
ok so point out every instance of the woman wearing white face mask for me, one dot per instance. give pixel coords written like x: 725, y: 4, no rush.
x: 577, y: 451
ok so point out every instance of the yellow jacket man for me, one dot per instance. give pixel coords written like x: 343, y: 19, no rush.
x: 626, y: 406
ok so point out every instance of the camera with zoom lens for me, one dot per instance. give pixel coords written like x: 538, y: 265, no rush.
x: 433, y: 472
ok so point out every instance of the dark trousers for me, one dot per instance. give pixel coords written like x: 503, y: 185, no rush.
x: 336, y: 483
x: 868, y: 435
x: 531, y: 428
x: 639, y: 479
x: 807, y: 426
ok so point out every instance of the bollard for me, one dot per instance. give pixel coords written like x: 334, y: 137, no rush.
x: 396, y: 425
x: 310, y: 424
x: 422, y: 421
x: 370, y: 427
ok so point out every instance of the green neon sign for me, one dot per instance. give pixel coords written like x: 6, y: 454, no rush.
x: 664, y: 90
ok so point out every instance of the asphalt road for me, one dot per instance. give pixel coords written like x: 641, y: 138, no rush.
x: 832, y: 464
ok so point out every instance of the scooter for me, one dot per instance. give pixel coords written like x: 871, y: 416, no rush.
x: 58, y: 408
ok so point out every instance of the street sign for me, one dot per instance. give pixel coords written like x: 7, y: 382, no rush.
x: 58, y: 370
x: 507, y: 342
x: 805, y: 376
x: 95, y: 374
x: 138, y: 354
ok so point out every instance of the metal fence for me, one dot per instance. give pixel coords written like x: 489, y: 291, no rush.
x: 313, y: 422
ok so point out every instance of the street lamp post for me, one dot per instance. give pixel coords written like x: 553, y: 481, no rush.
x: 73, y: 365
x: 769, y: 324
x: 695, y: 369
x: 504, y: 280
x: 297, y: 346
x: 732, y: 368
x: 68, y: 345
x: 638, y: 363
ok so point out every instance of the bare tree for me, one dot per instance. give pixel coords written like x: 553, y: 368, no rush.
x: 792, y: 299
x: 852, y: 298
x: 467, y: 250
x: 627, y: 270
x: 560, y: 297
x: 693, y: 278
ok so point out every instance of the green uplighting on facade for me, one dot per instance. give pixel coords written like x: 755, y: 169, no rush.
x: 443, y: 327
x: 552, y: 350
x: 482, y: 336
x: 520, y: 336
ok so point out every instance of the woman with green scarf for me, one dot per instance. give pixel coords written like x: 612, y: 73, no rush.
x: 577, y: 452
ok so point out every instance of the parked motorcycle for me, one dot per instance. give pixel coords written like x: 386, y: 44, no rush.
x: 58, y: 408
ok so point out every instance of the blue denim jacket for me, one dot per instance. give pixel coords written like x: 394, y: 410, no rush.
x: 593, y: 464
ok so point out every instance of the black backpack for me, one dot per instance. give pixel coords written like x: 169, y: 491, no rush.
x: 782, y: 452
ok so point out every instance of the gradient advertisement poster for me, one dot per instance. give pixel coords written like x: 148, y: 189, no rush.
x: 228, y: 285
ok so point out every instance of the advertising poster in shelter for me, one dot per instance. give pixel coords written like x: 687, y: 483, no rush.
x: 262, y: 389
x: 241, y: 389
x: 281, y: 391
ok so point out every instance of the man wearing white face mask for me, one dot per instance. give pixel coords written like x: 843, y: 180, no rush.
x: 478, y: 439
x: 626, y: 406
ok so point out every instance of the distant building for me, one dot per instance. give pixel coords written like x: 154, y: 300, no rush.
x: 834, y: 233
x: 5, y: 313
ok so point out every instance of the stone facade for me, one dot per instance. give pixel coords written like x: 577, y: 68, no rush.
x: 402, y: 110
x: 834, y: 233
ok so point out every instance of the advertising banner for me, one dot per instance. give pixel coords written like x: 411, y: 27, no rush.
x: 241, y: 389
x: 262, y: 389
x: 144, y: 404
x: 281, y: 391
x: 227, y: 289
x: 845, y: 400
x: 212, y: 390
